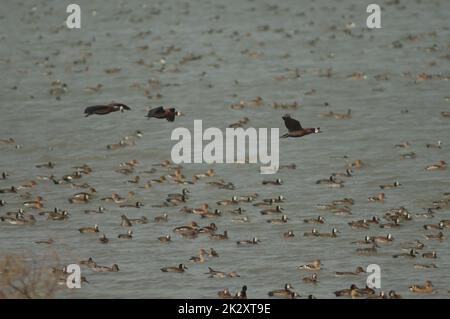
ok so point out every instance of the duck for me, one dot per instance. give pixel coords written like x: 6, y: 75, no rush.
x: 37, y: 203
x: 359, y: 270
x: 438, y: 236
x: 213, y: 253
x: 209, y: 173
x: 58, y: 215
x: 313, y: 266
x: 253, y: 241
x: 234, y: 200
x: 221, y: 274
x: 193, y: 226
x: 223, y: 236
x: 438, y: 145
x: 278, y: 199
x: 393, y: 295
x: 283, y: 293
x: 395, y: 224
x: 125, y: 221
x: 403, y: 145
x: 439, y: 166
x: 356, y: 164
x: 225, y: 294
x: 165, y: 239
x: 277, y: 209
x: 128, y: 235
x: 311, y: 280
x: 140, y: 221
x: 278, y: 182
x: 430, y: 254
x: 49, y: 165
x: 382, y: 239
x: 244, y: 219
x: 200, y: 258
x: 331, y: 182
x: 313, y: 233
x: 4, y: 175
x: 237, y: 211
x: 99, y: 210
x: 366, y: 240
x: 390, y: 186
x: 367, y: 250
x: 80, y: 199
x: 242, y: 294
x: 425, y: 266
x: 210, y: 229
x: 348, y: 173
x: 161, y: 113
x: 344, y: 201
x: 85, y: 230
x: 333, y: 234
x: 89, y: 263
x: 161, y: 219
x: 411, y: 254
x: 113, y: 268
x: 426, y: 288
x: 289, y: 234
x: 184, y: 192
x: 295, y: 129
x: 346, y: 291
x: 440, y: 225
x: 279, y: 221
x: 103, y: 239
x: 316, y: 220
x: 209, y: 214
x: 11, y: 189
x: 179, y: 269
x: 135, y: 205
x: 379, y: 198
x: 105, y: 109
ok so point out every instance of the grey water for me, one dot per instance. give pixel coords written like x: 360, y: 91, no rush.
x: 208, y: 55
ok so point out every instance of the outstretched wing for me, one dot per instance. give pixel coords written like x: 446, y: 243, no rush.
x: 291, y: 124
x: 157, y: 112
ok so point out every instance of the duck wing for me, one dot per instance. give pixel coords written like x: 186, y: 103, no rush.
x: 157, y: 112
x: 291, y: 124
x: 97, y: 109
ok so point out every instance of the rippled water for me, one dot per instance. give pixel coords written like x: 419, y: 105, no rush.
x: 243, y: 48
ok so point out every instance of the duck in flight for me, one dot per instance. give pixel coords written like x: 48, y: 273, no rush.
x: 295, y: 129
x: 162, y: 113
x: 106, y: 109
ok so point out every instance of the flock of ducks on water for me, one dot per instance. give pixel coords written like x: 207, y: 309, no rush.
x: 35, y: 209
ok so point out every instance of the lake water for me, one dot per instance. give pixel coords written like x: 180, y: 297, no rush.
x: 217, y: 54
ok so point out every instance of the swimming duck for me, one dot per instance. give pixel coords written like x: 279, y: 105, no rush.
x: 135, y: 205
x: 379, y: 198
x: 277, y: 209
x: 237, y: 211
x: 213, y: 253
x: 278, y: 199
x: 344, y: 201
x: 313, y: 233
x: 390, y: 186
x: 209, y: 173
x: 333, y: 234
x: 85, y: 230
x: 430, y: 254
x: 210, y: 229
x: 314, y: 266
x: 128, y: 235
x: 82, y: 198
x: 58, y: 215
x: 221, y: 274
x: 37, y: 203
x: 140, y: 221
x: 359, y: 270
x: 279, y: 221
x: 311, y: 280
x: 105, y: 109
x: 395, y: 224
x: 244, y: 219
x: 393, y: 295
x: 89, y: 263
x: 162, y: 113
x: 125, y: 221
x: 180, y: 269
x: 348, y: 173
x: 411, y: 254
x: 425, y: 266
x: 100, y: 210
x: 427, y: 288
x: 164, y: 239
x: 367, y: 250
x: 7, y: 141
x: 439, y: 166
x: 46, y: 165
x: 113, y: 268
x: 382, y: 239
x: 295, y: 129
x: 242, y: 294
x: 289, y: 234
x: 359, y: 224
x: 346, y: 292
x: 225, y: 294
x: 184, y: 192
x: 438, y: 236
x: 438, y: 145
x: 193, y: 226
x: 331, y: 182
x: 223, y: 236
x: 278, y: 181
x: 403, y: 145
x: 367, y: 240
x: 234, y: 200
x: 161, y: 219
x: 317, y: 220
x: 440, y: 225
x: 200, y: 258
x: 253, y: 241
x: 284, y: 293
x: 103, y: 239
x: 4, y: 175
